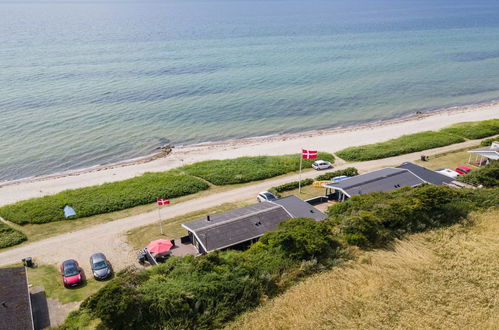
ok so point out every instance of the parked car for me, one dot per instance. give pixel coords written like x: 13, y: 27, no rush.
x: 463, y: 170
x: 101, y: 268
x: 71, y: 273
x: 321, y: 165
x: 339, y: 178
x: 265, y: 196
x: 448, y: 172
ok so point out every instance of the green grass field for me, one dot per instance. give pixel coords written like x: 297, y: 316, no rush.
x: 450, y: 160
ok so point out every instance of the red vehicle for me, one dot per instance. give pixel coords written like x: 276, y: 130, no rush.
x: 463, y: 170
x: 71, y: 273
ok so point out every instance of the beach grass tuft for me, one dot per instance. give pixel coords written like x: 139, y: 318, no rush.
x: 399, y: 146
x: 246, y: 169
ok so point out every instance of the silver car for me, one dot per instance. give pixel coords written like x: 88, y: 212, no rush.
x: 101, y: 268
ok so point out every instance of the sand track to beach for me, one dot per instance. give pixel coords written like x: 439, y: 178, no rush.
x: 110, y: 238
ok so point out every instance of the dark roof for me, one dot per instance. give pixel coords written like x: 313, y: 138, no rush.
x: 426, y: 174
x: 298, y: 208
x: 385, y: 180
x: 16, y: 314
x: 240, y: 225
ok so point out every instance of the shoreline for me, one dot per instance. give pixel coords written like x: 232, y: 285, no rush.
x: 328, y: 140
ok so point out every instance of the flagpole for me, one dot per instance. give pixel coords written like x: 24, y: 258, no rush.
x: 159, y: 216
x: 299, y: 179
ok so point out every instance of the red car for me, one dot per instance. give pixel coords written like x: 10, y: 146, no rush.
x: 463, y: 170
x: 71, y: 273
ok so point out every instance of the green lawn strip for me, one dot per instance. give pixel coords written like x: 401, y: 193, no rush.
x: 451, y: 159
x: 399, y: 146
x: 10, y: 236
x: 49, y: 277
x: 247, y: 169
x: 104, y: 198
x: 474, y: 130
x: 138, y: 238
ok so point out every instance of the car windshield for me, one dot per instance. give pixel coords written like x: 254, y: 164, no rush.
x: 269, y: 196
x: 71, y: 271
x: 100, y: 264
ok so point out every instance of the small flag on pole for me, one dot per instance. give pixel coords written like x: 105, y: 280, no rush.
x: 163, y: 201
x: 308, y: 154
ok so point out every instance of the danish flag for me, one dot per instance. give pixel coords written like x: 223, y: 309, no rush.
x: 163, y: 201
x: 308, y: 154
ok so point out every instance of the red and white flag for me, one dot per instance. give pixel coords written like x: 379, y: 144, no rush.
x: 308, y: 154
x: 163, y: 201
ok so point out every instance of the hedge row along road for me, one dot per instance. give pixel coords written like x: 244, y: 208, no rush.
x: 110, y: 237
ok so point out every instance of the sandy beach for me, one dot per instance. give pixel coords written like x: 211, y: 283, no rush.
x: 330, y: 140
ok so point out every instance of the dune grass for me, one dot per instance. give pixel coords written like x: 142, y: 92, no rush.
x: 246, y: 169
x: 399, y: 146
x: 474, y: 130
x: 445, y: 279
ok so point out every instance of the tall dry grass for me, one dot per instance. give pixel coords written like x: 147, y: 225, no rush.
x: 444, y: 279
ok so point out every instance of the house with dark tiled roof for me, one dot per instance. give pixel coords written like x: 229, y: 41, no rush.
x: 15, y: 301
x: 245, y: 225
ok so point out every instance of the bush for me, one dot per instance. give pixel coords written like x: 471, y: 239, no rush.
x: 104, y: 198
x: 374, y: 219
x: 474, y: 130
x: 487, y: 176
x: 10, y: 236
x: 290, y: 186
x: 488, y: 142
x: 246, y: 169
x: 399, y: 146
x: 349, y: 171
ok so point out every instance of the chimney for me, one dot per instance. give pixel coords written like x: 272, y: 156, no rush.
x: 208, y: 218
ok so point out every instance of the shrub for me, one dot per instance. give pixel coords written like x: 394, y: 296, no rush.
x: 349, y: 171
x: 246, y: 169
x: 104, y: 198
x: 487, y: 176
x: 399, y: 146
x: 374, y: 219
x: 302, y: 239
x: 10, y: 236
x: 488, y: 142
x: 474, y: 130
x: 290, y: 186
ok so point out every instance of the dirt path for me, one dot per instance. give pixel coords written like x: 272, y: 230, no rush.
x: 110, y: 238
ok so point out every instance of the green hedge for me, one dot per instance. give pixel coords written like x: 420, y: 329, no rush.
x: 488, y: 142
x: 474, y: 130
x: 246, y: 169
x: 349, y: 171
x: 10, y: 236
x: 290, y: 186
x: 487, y: 176
x: 399, y: 146
x: 104, y: 198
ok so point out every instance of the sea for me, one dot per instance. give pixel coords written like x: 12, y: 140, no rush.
x: 89, y: 82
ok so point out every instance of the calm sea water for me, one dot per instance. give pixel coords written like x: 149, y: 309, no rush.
x: 90, y: 82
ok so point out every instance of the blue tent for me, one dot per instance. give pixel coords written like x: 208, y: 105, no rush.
x: 69, y: 211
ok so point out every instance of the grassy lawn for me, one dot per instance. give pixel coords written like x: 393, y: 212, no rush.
x: 48, y: 277
x: 441, y: 279
x: 450, y: 160
x: 138, y: 238
x: 307, y: 192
